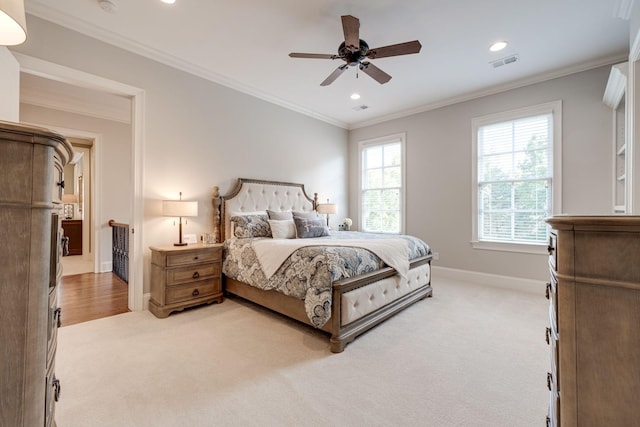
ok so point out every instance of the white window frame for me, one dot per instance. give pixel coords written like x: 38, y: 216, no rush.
x: 389, y: 139
x: 555, y: 109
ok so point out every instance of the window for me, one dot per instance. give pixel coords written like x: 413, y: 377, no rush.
x: 516, y: 177
x: 382, y: 184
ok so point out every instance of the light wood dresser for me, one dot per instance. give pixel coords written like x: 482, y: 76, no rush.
x: 594, y: 316
x: 185, y: 276
x: 31, y: 183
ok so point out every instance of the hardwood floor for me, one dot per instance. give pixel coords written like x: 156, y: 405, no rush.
x: 90, y: 296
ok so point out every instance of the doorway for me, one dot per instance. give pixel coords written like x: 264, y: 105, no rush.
x: 135, y: 96
x: 77, y: 222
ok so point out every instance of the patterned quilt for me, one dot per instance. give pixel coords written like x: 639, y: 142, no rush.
x: 310, y: 271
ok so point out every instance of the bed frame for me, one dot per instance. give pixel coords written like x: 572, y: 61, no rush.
x: 358, y: 303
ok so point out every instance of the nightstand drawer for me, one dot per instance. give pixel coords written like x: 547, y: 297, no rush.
x: 192, y: 290
x: 189, y: 274
x: 200, y: 257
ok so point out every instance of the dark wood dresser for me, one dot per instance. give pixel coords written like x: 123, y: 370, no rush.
x: 73, y: 230
x: 31, y: 182
x: 594, y: 321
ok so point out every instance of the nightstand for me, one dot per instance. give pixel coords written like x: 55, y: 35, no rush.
x: 184, y: 276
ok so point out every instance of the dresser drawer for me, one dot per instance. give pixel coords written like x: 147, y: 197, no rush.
x: 194, y: 290
x: 200, y: 257
x: 189, y: 274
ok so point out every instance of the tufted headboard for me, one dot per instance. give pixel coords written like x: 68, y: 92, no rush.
x: 253, y: 195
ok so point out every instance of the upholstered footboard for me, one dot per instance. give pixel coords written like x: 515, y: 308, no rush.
x: 362, y: 302
x: 359, y: 303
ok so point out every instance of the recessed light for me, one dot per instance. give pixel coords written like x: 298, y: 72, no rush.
x: 108, y: 5
x: 497, y: 46
x: 355, y: 96
x: 168, y: 1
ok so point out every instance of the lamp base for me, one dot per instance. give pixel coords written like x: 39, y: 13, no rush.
x: 180, y: 244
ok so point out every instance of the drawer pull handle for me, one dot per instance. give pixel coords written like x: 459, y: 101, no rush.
x: 56, y: 389
x: 548, y: 422
x: 57, y: 314
x: 195, y: 293
x: 547, y: 292
x: 547, y: 335
x: 196, y: 275
x: 550, y: 249
x: 549, y: 380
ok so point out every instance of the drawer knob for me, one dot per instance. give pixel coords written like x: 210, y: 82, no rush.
x: 196, y: 275
x: 195, y: 293
x: 56, y: 388
x: 195, y: 258
x: 547, y: 335
x: 550, y: 249
x: 57, y: 314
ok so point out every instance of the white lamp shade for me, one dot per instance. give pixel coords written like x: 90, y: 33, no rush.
x: 13, y: 23
x: 327, y: 208
x: 179, y: 208
x: 69, y: 198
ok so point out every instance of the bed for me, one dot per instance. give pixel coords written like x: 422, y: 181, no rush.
x: 356, y: 280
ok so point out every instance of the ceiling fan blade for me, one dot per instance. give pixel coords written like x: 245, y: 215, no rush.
x: 334, y: 75
x: 394, y: 50
x: 351, y: 28
x: 313, y: 55
x: 374, y: 72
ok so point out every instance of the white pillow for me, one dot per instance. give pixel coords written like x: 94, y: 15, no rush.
x: 283, y: 229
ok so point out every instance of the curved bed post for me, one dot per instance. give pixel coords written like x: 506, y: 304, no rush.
x: 216, y: 201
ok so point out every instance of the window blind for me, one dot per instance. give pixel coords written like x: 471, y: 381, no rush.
x: 515, y: 172
x: 381, y: 188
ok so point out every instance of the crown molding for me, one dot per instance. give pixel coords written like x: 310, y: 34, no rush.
x: 84, y: 27
x: 616, y: 85
x: 494, y: 90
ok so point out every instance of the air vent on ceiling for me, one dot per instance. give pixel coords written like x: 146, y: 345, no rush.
x: 505, y: 61
x: 360, y: 107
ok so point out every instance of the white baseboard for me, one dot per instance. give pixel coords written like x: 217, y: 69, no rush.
x: 506, y: 282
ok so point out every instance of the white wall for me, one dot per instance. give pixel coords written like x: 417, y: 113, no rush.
x: 199, y: 134
x: 439, y: 167
x: 9, y: 86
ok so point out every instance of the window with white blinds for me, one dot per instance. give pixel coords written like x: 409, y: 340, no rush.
x: 382, y: 185
x: 514, y: 177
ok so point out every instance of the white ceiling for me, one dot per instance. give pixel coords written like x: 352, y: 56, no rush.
x: 245, y: 44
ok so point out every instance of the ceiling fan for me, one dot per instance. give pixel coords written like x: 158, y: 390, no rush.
x: 354, y: 51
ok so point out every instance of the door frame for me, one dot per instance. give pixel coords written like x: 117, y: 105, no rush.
x: 50, y: 70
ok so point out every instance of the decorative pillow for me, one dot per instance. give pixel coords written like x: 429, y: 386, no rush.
x: 284, y: 229
x: 306, y: 228
x: 307, y: 215
x: 279, y: 215
x: 251, y: 226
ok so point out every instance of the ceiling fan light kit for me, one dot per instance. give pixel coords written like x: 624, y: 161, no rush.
x: 353, y: 51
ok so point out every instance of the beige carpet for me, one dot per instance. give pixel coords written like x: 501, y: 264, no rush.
x: 469, y: 356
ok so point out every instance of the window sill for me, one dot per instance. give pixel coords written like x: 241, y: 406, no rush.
x: 527, y: 248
